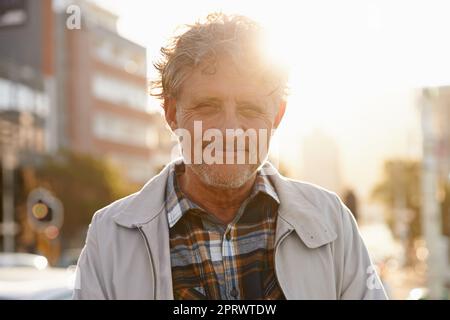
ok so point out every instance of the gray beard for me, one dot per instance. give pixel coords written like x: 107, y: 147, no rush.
x: 224, y: 179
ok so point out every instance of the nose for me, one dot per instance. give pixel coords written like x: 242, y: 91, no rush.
x: 230, y: 118
x: 232, y: 128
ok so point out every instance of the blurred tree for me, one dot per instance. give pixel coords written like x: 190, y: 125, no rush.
x: 83, y: 184
x: 400, y: 191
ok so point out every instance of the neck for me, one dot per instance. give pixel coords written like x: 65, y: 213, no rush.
x: 222, y: 203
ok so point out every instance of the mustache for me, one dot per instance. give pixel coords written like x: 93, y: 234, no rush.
x: 226, y: 148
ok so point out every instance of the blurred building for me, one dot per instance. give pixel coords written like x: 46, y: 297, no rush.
x: 69, y: 81
x: 24, y: 77
x: 103, y: 93
x: 435, y: 118
x: 439, y: 99
x: 26, y: 73
x: 77, y: 87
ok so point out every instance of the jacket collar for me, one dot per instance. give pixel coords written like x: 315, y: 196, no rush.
x: 148, y: 202
x: 295, y: 211
x: 298, y: 212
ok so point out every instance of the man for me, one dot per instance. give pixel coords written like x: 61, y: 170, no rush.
x: 221, y: 222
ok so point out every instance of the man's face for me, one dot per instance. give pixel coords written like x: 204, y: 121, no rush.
x: 226, y: 101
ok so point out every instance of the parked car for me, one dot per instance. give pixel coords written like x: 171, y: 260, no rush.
x: 23, y: 260
x: 28, y: 276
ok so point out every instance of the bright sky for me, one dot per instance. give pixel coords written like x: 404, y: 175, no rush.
x: 354, y: 65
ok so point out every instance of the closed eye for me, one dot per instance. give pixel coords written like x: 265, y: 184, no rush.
x: 207, y: 107
x: 250, y: 110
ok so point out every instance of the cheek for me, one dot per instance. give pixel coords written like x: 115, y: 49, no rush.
x: 264, y: 127
x: 260, y: 123
x: 196, y: 127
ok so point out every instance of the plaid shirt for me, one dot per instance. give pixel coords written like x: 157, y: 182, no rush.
x: 211, y: 260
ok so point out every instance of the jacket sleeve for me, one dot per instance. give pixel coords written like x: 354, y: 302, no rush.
x: 360, y: 279
x: 88, y: 280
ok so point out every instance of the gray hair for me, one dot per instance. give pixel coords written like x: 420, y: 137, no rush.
x: 233, y: 36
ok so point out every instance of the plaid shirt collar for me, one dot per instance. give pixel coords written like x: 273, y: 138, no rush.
x: 177, y: 204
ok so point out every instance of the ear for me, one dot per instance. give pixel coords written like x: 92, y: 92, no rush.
x: 170, y: 112
x: 280, y: 113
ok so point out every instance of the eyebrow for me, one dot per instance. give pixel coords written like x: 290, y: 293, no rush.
x: 198, y: 100
x: 255, y: 104
x: 249, y: 103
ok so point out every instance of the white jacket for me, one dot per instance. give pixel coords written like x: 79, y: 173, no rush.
x: 319, y: 253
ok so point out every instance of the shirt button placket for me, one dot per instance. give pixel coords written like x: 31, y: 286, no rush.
x: 230, y: 288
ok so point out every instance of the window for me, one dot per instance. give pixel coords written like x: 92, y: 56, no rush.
x: 114, y: 128
x: 19, y: 97
x: 129, y: 60
x: 119, y: 92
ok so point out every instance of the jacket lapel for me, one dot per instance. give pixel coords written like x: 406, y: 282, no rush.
x: 147, y: 203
